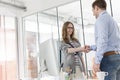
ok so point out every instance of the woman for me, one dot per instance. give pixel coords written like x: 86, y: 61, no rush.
x: 71, y: 49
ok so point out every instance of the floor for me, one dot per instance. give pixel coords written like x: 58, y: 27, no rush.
x: 77, y: 76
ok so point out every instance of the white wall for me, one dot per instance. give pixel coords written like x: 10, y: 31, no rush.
x: 40, y: 5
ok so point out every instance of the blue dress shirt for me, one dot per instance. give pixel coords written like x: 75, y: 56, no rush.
x: 107, y: 36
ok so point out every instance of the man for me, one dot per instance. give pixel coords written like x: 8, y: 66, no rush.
x: 107, y: 39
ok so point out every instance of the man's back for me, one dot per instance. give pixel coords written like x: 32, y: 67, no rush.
x: 111, y: 31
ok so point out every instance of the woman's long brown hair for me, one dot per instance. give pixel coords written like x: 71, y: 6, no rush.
x: 64, y: 32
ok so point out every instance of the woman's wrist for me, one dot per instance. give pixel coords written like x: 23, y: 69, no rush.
x: 81, y: 49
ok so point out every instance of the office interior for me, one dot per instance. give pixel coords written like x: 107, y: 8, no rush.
x: 31, y: 34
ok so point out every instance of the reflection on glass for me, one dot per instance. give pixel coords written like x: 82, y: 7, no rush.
x: 31, y: 46
x: 39, y: 28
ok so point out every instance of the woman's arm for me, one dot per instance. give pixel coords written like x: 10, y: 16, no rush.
x: 73, y: 50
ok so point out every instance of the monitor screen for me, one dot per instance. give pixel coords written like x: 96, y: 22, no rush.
x: 48, y: 53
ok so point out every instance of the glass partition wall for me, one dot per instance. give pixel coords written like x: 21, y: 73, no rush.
x: 115, y: 11
x: 44, y: 28
x: 49, y: 33
x: 31, y: 46
x: 39, y: 29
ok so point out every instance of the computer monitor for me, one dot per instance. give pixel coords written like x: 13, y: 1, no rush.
x: 48, y: 53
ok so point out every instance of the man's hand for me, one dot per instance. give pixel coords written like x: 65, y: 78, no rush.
x: 96, y: 67
x: 86, y: 48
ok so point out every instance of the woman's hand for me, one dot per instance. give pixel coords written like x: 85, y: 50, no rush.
x: 86, y: 48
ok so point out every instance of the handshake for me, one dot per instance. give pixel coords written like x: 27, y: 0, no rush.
x: 86, y: 49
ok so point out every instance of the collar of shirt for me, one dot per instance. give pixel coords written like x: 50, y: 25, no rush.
x: 102, y: 13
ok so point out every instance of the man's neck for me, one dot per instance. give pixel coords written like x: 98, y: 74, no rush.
x: 100, y: 11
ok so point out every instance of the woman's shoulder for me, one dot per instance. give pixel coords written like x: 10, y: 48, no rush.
x: 62, y: 42
x: 76, y: 41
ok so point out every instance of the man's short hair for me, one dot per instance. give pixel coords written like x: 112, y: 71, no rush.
x: 100, y: 3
